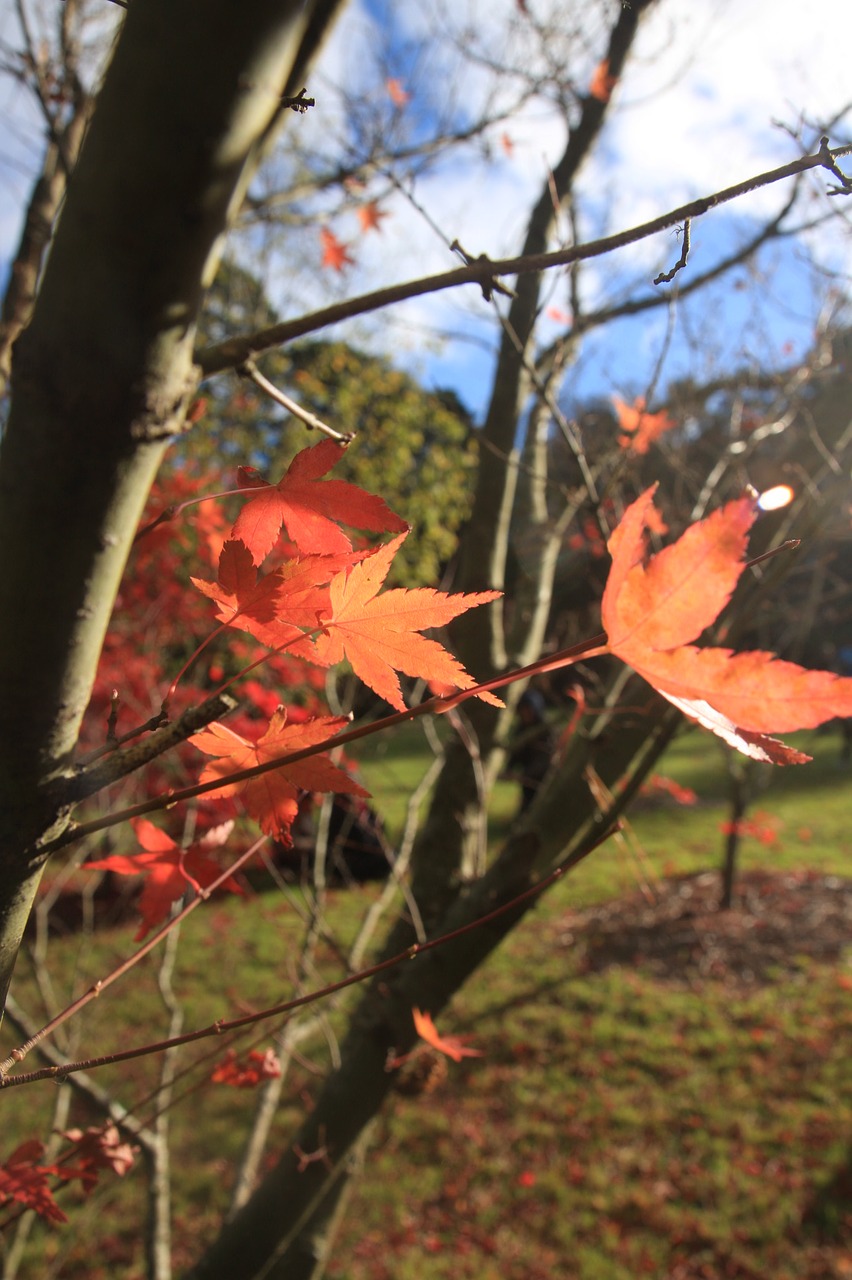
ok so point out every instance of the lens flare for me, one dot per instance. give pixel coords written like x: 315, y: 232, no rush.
x: 780, y: 495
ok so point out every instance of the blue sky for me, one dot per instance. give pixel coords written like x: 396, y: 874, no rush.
x: 698, y: 109
x: 702, y: 106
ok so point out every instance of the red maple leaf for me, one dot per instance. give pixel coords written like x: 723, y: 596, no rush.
x: 379, y: 634
x: 371, y: 216
x: 248, y: 1072
x: 168, y: 869
x: 654, y: 607
x: 278, y: 607
x: 641, y: 428
x: 310, y: 508
x: 335, y: 253
x: 602, y: 83
x: 100, y: 1148
x: 397, y: 94
x: 24, y: 1180
x: 453, y: 1046
x: 272, y: 798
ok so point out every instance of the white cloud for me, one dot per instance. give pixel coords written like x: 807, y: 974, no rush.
x: 694, y: 113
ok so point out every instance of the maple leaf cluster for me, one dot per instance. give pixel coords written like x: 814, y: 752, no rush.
x: 26, y: 1181
x: 322, y: 604
x: 158, y: 621
x: 336, y: 252
x: 248, y: 1072
x: 325, y: 604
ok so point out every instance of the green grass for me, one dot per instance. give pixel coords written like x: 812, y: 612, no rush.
x: 617, y: 1125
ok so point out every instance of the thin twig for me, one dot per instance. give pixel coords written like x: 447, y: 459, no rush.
x: 248, y: 369
x: 485, y: 272
x: 97, y: 988
x: 434, y: 706
x: 222, y: 1026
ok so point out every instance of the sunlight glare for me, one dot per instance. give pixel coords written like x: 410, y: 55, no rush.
x: 780, y: 495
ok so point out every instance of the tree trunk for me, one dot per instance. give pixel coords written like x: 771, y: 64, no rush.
x: 103, y: 375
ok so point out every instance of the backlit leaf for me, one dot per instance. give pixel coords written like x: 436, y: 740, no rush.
x: 654, y: 606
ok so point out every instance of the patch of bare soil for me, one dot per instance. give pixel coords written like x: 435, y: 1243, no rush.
x: 678, y: 933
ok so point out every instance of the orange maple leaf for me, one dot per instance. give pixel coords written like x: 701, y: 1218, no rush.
x: 397, y: 94
x: 654, y: 607
x: 310, y: 507
x: 602, y: 83
x: 272, y: 798
x: 335, y: 253
x: 167, y: 868
x: 507, y: 144
x: 641, y: 428
x: 453, y: 1046
x: 379, y: 633
x: 371, y: 216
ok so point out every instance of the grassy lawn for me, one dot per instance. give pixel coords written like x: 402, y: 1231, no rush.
x: 618, y: 1124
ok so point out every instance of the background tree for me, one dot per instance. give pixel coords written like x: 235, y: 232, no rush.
x: 109, y: 359
x: 421, y: 441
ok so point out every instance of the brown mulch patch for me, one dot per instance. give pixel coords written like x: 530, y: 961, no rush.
x: 676, y: 932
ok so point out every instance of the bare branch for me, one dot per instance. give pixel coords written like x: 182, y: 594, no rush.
x: 485, y: 272
x: 250, y: 370
x: 119, y: 764
x: 666, y: 277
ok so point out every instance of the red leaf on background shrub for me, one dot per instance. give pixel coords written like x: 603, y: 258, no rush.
x: 100, y: 1148
x: 654, y: 606
x: 658, y: 785
x: 760, y: 826
x: 641, y: 428
x: 335, y: 253
x: 602, y: 83
x: 24, y: 1180
x: 248, y: 1072
x: 371, y: 216
x: 453, y: 1046
x: 397, y: 94
x: 167, y: 868
x: 272, y: 798
x: 379, y: 634
x: 311, y: 508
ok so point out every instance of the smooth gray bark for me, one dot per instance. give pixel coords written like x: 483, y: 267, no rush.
x: 102, y: 377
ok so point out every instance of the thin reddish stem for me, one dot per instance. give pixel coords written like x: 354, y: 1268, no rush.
x: 221, y: 1026
x: 18, y: 1055
x: 592, y: 648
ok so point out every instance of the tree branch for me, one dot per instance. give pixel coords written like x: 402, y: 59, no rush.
x: 483, y: 272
